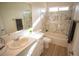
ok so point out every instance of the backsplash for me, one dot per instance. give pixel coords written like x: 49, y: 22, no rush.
x: 58, y: 22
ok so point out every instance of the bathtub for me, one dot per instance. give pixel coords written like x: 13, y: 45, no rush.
x: 57, y: 38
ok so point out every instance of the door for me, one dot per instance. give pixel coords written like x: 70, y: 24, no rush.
x: 19, y: 24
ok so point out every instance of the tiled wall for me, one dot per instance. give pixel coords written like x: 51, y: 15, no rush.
x: 2, y: 28
x: 57, y: 22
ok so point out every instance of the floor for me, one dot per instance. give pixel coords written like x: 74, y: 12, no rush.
x: 54, y: 50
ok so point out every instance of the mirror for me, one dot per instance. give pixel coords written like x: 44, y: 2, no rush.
x: 25, y: 22
x: 15, y: 16
x: 27, y: 19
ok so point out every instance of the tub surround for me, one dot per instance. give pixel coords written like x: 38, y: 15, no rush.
x: 34, y: 36
x: 60, y: 22
x: 57, y: 38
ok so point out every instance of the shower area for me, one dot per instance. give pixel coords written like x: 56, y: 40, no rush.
x: 58, y: 24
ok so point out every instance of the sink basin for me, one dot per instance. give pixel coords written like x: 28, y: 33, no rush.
x: 16, y: 44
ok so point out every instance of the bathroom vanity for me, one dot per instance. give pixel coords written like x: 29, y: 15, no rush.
x: 36, y: 48
x: 26, y: 44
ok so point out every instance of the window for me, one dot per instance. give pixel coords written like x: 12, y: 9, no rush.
x: 55, y: 9
x: 63, y: 8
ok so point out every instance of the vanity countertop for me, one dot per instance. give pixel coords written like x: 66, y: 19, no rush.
x: 13, y: 52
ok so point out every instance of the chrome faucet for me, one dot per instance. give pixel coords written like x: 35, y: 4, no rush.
x: 16, y: 39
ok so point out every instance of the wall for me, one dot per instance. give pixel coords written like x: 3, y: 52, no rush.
x: 36, y: 14
x: 76, y: 12
x: 1, y: 23
x: 11, y: 11
x: 38, y: 24
x: 75, y: 43
x: 1, y: 26
x: 36, y: 6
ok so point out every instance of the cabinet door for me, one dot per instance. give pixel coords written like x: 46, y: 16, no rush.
x: 38, y: 49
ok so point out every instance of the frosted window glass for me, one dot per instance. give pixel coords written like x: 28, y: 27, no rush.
x: 63, y: 8
x: 53, y: 9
